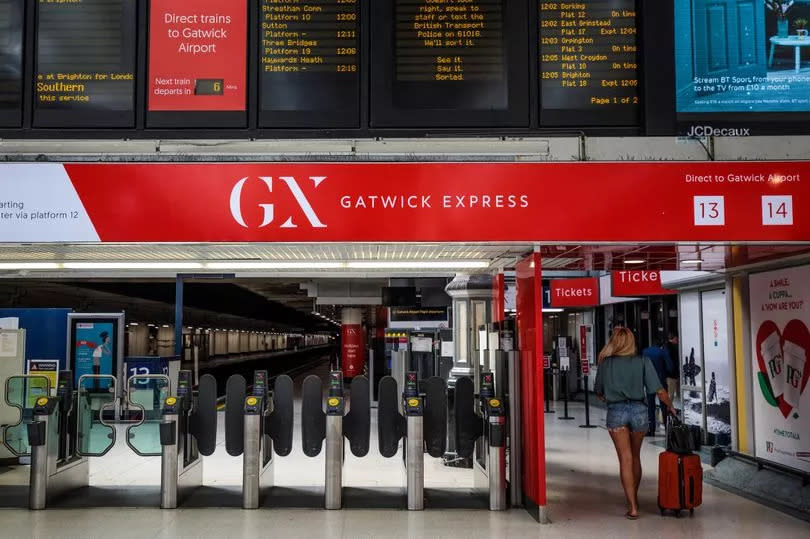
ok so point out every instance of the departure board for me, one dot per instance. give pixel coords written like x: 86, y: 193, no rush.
x: 85, y: 63
x: 589, y: 63
x: 462, y: 56
x: 309, y: 63
x: 11, y: 24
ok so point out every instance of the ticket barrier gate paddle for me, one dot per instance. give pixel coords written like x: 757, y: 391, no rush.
x: 485, y: 421
x: 332, y: 425
x: 256, y: 425
x: 423, y: 425
x: 187, y: 432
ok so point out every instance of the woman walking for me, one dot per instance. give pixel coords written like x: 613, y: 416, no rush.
x: 623, y: 380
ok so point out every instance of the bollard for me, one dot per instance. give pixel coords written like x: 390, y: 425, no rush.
x: 564, y: 376
x: 547, y: 384
x: 587, y: 424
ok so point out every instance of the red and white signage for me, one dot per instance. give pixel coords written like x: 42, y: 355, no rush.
x: 575, y: 292
x: 585, y: 341
x: 197, y: 55
x: 638, y: 283
x: 397, y: 202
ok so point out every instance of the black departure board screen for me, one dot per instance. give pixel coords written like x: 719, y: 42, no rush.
x: 451, y: 63
x: 589, y: 63
x: 309, y: 63
x: 85, y: 63
x: 11, y: 40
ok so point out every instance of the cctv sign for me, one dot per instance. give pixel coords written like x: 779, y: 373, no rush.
x: 638, y: 283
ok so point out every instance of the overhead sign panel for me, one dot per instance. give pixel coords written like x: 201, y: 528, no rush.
x: 589, y: 63
x: 638, y: 283
x: 11, y: 48
x: 575, y: 292
x: 85, y: 64
x: 309, y: 63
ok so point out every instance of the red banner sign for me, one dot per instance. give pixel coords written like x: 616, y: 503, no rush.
x: 197, y: 55
x: 584, y: 360
x: 408, y: 202
x: 353, y: 353
x: 575, y: 292
x: 638, y: 283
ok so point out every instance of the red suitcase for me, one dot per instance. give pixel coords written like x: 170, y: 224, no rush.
x: 680, y: 482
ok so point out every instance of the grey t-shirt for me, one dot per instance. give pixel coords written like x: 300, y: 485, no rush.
x: 622, y: 378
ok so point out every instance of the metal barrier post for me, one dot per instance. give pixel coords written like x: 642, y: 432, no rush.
x: 334, y: 461
x: 169, y: 462
x: 38, y: 485
x: 587, y: 424
x: 564, y: 376
x: 415, y: 455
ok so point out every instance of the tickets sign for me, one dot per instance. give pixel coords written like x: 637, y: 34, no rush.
x: 575, y: 292
x: 638, y: 283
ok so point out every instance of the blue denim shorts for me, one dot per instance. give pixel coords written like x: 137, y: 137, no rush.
x: 627, y: 414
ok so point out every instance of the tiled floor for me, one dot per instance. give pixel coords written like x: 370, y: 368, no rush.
x: 585, y: 500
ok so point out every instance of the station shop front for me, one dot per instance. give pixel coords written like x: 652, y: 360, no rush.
x: 745, y: 225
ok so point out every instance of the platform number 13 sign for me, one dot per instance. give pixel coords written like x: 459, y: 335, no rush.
x: 710, y: 211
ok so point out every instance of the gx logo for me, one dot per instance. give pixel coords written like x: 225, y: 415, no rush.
x: 269, y: 208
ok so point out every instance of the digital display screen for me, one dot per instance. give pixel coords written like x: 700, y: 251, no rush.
x: 463, y: 57
x: 93, y: 350
x: 589, y: 63
x: 85, y: 63
x: 741, y: 61
x: 11, y: 25
x: 309, y: 63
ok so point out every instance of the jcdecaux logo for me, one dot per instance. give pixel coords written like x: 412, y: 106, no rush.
x: 269, y: 209
x: 709, y: 131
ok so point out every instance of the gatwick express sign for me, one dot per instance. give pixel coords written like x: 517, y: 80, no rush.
x: 403, y: 202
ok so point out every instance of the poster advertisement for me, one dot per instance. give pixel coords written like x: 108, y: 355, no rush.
x: 49, y: 368
x: 691, y: 359
x: 197, y: 55
x: 715, y: 362
x: 741, y: 56
x: 93, y: 350
x: 780, y: 339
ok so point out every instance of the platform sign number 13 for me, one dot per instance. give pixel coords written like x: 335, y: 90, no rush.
x: 710, y: 211
x: 777, y: 210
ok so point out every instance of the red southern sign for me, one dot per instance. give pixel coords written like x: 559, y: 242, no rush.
x: 408, y: 202
x: 575, y: 292
x: 638, y: 283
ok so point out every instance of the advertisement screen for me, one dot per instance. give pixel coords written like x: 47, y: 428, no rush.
x: 93, y: 349
x: 780, y: 340
x: 11, y: 25
x: 716, y: 373
x: 589, y: 63
x: 309, y: 63
x: 85, y: 64
x: 197, y: 55
x: 739, y: 59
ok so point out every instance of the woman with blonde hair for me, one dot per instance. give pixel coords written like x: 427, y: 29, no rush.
x: 623, y: 381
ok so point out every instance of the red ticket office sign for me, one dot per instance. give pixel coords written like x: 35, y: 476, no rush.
x: 575, y: 292
x: 638, y: 283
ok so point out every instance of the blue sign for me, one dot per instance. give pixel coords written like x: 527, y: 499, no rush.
x: 145, y: 365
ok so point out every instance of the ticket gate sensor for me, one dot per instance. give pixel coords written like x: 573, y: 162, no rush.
x: 423, y: 426
x: 187, y: 431
x: 333, y: 425
x: 256, y: 426
x: 489, y: 424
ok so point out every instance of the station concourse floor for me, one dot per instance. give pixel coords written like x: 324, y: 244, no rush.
x: 585, y: 500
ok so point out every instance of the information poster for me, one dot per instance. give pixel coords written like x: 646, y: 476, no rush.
x: 780, y: 340
x: 93, y: 349
x: 742, y: 56
x: 309, y: 62
x: 48, y: 368
x: 11, y: 40
x: 715, y: 362
x: 589, y: 63
x: 197, y: 55
x: 85, y: 63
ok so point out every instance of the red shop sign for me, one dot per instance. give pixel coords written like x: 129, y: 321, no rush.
x: 575, y: 292
x: 638, y: 283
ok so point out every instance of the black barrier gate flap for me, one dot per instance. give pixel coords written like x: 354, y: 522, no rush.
x: 313, y: 418
x: 235, y: 390
x: 357, y: 423
x: 279, y: 425
x: 435, y: 418
x: 391, y: 425
x: 203, y: 421
x: 469, y: 426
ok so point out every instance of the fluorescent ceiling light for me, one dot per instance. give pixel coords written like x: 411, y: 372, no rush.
x: 28, y: 265
x: 421, y: 264
x: 552, y: 310
x: 273, y: 265
x: 691, y: 262
x: 132, y: 265
x: 633, y: 261
x: 133, y: 323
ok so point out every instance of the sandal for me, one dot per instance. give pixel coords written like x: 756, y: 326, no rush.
x: 629, y: 516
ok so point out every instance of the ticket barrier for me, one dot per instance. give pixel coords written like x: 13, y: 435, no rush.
x: 481, y: 432
x: 187, y: 432
x: 332, y: 425
x: 423, y: 426
x: 256, y: 425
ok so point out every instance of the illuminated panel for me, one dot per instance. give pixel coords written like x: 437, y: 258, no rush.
x: 11, y: 24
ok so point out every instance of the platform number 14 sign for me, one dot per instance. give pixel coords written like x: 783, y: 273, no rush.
x: 777, y: 210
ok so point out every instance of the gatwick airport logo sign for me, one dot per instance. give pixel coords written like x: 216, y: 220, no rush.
x: 235, y: 202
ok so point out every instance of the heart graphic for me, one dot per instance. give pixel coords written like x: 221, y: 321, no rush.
x: 782, y: 357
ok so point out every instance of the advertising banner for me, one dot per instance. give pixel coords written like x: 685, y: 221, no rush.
x: 353, y: 356
x: 93, y: 350
x: 585, y: 347
x: 197, y: 55
x: 716, y: 373
x: 691, y: 358
x: 575, y: 292
x: 368, y: 202
x: 780, y: 315
x: 638, y: 283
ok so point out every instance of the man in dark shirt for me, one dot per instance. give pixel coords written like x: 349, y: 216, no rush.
x: 659, y: 357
